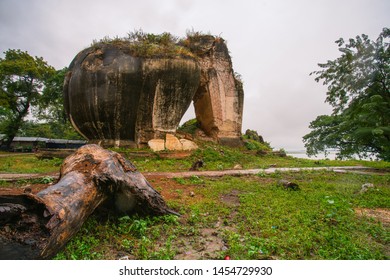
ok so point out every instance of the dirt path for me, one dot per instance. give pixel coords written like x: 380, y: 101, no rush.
x: 25, y: 176
x: 218, y: 173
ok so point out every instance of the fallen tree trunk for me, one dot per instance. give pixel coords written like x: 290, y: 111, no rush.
x: 38, y: 226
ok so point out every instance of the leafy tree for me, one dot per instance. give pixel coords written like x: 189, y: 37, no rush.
x: 33, y: 129
x: 21, y: 83
x: 50, y: 105
x: 358, y: 84
x: 50, y: 109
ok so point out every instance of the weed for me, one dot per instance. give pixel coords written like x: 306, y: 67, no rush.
x: 189, y: 126
x: 4, y: 183
x: 139, y: 227
x: 127, y: 244
x: 193, y: 180
x: 85, y: 246
x: 169, y: 219
x: 253, y: 145
x: 196, y: 180
x: 47, y: 180
x: 135, y: 225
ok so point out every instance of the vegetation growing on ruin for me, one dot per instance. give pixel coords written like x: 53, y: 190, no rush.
x: 189, y: 127
x: 166, y: 45
x: 143, y: 44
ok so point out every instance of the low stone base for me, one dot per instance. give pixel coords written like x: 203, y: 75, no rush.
x: 156, y: 145
x: 171, y: 143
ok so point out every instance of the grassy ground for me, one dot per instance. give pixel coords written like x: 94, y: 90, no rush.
x: 250, y: 218
x: 215, y: 158
x: 28, y: 164
x: 221, y: 158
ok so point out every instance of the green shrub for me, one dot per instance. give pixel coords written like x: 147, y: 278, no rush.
x: 253, y: 145
x: 189, y: 126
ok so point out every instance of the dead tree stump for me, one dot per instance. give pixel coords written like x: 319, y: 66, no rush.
x: 38, y: 226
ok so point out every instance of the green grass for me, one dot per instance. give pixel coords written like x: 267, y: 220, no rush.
x: 254, y: 218
x: 215, y: 157
x: 248, y: 217
x: 28, y: 164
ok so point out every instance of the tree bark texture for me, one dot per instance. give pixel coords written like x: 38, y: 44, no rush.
x: 38, y: 226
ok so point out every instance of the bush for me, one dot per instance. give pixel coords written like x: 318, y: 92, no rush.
x: 189, y: 126
x: 253, y: 145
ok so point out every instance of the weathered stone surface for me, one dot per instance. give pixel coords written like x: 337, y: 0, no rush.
x: 113, y: 98
x: 219, y: 99
x: 188, y: 145
x: 156, y: 145
x: 172, y: 143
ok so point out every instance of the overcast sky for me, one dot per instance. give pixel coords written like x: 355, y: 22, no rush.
x: 274, y: 44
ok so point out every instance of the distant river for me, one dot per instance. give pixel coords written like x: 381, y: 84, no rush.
x: 302, y: 154
x: 330, y: 155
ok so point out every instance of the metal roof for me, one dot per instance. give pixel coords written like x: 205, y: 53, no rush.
x: 48, y: 140
x: 29, y: 139
x: 65, y: 141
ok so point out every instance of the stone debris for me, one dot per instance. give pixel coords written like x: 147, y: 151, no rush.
x: 365, y: 187
x: 156, y: 145
x: 171, y: 143
x: 188, y: 145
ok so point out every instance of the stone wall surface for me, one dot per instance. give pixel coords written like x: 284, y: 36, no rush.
x: 220, y: 97
x: 115, y: 98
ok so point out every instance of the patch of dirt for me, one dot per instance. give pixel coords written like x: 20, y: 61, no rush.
x: 380, y: 214
x: 171, y: 190
x: 231, y: 198
x: 11, y: 177
x: 208, y: 245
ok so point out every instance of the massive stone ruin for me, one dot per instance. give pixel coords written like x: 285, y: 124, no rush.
x: 219, y: 98
x: 116, y: 96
